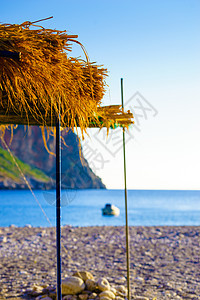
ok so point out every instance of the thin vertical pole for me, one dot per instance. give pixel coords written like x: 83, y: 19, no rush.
x: 126, y: 204
x: 58, y: 196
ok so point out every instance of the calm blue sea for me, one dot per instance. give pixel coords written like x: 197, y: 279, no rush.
x: 83, y: 207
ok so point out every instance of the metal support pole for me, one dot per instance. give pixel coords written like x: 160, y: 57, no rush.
x: 126, y: 204
x: 58, y: 197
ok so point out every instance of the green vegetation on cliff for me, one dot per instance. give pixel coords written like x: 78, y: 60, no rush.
x: 9, y: 171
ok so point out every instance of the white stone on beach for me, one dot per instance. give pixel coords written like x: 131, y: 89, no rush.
x: 113, y: 290
x: 84, y: 275
x: 35, y: 291
x: 140, y: 279
x: 103, y: 284
x: 108, y: 294
x: 3, y: 239
x: 121, y: 291
x: 22, y: 272
x: 91, y: 285
x: 72, y: 285
x: 28, y: 226
x: 119, y: 298
x: 42, y: 233
x: 92, y: 296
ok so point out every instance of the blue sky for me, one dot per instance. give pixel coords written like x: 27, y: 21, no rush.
x: 155, y: 46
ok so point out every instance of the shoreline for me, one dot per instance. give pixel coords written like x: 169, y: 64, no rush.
x: 164, y: 260
x: 13, y: 226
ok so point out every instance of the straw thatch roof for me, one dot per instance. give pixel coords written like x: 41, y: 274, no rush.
x: 39, y: 81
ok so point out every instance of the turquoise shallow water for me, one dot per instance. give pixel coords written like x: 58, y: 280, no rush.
x: 83, y: 207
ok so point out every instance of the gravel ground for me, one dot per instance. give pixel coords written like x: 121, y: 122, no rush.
x: 164, y: 261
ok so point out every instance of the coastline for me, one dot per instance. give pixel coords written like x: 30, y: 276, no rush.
x: 164, y: 260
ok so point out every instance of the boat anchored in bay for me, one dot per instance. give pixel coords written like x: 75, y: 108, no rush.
x: 110, y: 210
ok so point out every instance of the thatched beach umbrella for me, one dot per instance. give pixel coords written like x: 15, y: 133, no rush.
x: 41, y: 85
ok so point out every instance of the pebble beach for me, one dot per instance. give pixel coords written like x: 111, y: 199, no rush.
x: 164, y: 261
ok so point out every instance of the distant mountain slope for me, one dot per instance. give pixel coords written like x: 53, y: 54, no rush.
x: 10, y: 176
x: 28, y: 146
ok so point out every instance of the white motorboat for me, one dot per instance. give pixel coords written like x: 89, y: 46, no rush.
x: 110, y: 210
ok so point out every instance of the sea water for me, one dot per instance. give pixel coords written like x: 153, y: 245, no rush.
x: 83, y: 207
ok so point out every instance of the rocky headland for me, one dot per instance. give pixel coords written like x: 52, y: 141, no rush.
x: 39, y: 166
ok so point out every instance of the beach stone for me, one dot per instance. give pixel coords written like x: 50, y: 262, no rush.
x: 108, y: 294
x: 22, y: 272
x: 70, y: 297
x: 12, y: 226
x: 36, y: 290
x: 3, y: 239
x: 91, y: 285
x: 139, y: 279
x: 83, y: 296
x: 121, y: 279
x: 86, y: 292
x: 84, y: 275
x: 72, y: 286
x: 42, y: 233
x: 154, y: 281
x: 119, y: 298
x: 92, y: 296
x: 103, y: 284
x: 121, y: 291
x: 113, y: 290
x: 28, y: 226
